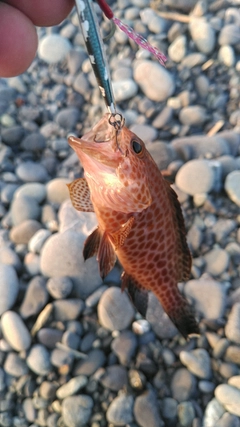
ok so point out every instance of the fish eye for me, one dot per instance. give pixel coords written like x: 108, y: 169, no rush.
x: 136, y: 146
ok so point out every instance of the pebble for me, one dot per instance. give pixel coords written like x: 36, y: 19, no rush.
x: 24, y: 208
x: 158, y: 319
x: 227, y: 56
x: 95, y: 360
x: 67, y: 118
x: 194, y: 59
x: 186, y: 414
x: 70, y: 339
x: 154, y: 80
x: 59, y: 287
x: 77, y: 410
x: 9, y: 287
x: 15, y: 331
x: 22, y: 233
x: 232, y: 328
x: 15, y: 365
x: 71, y: 219
x: 124, y: 346
x: 67, y: 309
x: 194, y: 115
x: 38, y: 360
x: 37, y: 241
x: 120, y: 410
x: 229, y: 397
x: 93, y: 299
x: 198, y: 362
x: 31, y: 172
x: 71, y: 387
x: 115, y: 311
x: 114, y: 377
x: 49, y: 337
x: 169, y: 409
x: 35, y: 298
x: 75, y: 59
x: 62, y: 256
x: 229, y: 35
x: 124, y: 89
x: 53, y: 48
x: 209, y: 297
x: 202, y: 34
x: 146, y: 132
x: 195, y: 177
x: 232, y: 187
x: 29, y: 411
x: 57, y: 190
x: 163, y: 118
x: 146, y: 410
x: 178, y: 48
x: 232, y: 354
x: 34, y: 142
x: 13, y: 135
x: 213, y: 412
x: 34, y: 190
x: 217, y: 261
x: 183, y: 385
x: 228, y: 420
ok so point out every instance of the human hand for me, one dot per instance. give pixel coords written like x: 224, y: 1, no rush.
x: 18, y: 38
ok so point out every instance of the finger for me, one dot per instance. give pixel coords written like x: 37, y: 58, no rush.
x: 44, y: 13
x: 18, y: 41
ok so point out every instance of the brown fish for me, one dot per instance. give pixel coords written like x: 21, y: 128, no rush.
x: 139, y: 218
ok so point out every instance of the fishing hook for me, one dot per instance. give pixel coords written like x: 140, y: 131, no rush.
x: 117, y: 121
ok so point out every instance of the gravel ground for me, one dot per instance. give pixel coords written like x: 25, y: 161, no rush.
x: 67, y: 358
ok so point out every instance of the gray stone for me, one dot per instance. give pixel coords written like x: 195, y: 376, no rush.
x: 9, y: 287
x: 15, y: 365
x: 72, y: 386
x: 194, y: 115
x: 226, y: 55
x: 163, y: 118
x: 232, y: 328
x: 216, y: 261
x: 34, y: 142
x: 193, y: 59
x: 229, y: 397
x: 213, y: 412
x: 57, y: 191
x: 29, y: 411
x: 229, y: 35
x: 232, y: 186
x: 146, y: 410
x: 169, y: 409
x: 120, y: 410
x: 49, y: 337
x: 145, y: 132
x: 177, y: 49
x: 198, y: 362
x: 68, y: 309
x: 159, y: 320
x: 53, y: 48
x: 38, y: 360
x: 195, y: 177
x: 9, y: 257
x: 228, y: 420
x: 232, y: 354
x: 59, y: 287
x: 35, y: 298
x: 15, y: 331
x: 95, y: 359
x: 114, y: 377
x: 154, y: 80
x: 22, y: 233
x: 35, y: 190
x: 162, y: 153
x: 75, y: 59
x: 12, y: 136
x: 67, y: 118
x: 183, y: 385
x: 31, y: 172
x: 62, y: 256
x: 37, y: 241
x: 77, y: 410
x: 202, y: 34
x: 115, y: 311
x: 124, y: 89
x: 124, y: 346
x: 186, y: 414
x: 70, y: 339
x: 24, y: 208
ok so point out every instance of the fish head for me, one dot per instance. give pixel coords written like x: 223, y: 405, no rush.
x: 116, y: 165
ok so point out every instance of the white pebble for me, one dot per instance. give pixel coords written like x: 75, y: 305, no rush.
x: 53, y: 48
x: 15, y: 331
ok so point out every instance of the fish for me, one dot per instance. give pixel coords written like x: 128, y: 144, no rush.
x: 140, y: 221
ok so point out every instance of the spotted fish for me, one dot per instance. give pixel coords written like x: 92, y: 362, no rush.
x: 140, y: 221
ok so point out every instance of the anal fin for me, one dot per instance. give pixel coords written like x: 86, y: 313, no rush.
x: 106, y: 255
x: 80, y: 195
x: 137, y: 293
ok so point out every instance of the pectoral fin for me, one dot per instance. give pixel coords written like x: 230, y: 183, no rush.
x: 137, y: 293
x: 118, y: 237
x: 80, y: 195
x: 106, y: 256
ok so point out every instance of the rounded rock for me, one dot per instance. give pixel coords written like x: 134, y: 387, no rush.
x: 38, y: 360
x: 57, y: 190
x: 232, y: 328
x: 193, y: 115
x: 35, y: 298
x: 59, y: 287
x: 155, y: 81
x: 217, y: 261
x: 232, y: 186
x: 31, y: 172
x: 9, y: 287
x: 202, y: 34
x: 15, y: 365
x: 15, y: 331
x: 114, y: 378
x: 124, y: 89
x: 227, y: 56
x: 22, y: 233
x: 37, y: 241
x: 146, y: 410
x: 53, y: 48
x: 115, y: 311
x: 77, y: 410
x: 177, y: 49
x: 120, y: 410
x: 195, y: 177
x: 35, y: 190
x: 183, y: 385
x: 229, y: 35
x: 24, y: 208
x: 198, y: 362
x: 72, y: 386
x: 34, y: 142
x: 229, y: 397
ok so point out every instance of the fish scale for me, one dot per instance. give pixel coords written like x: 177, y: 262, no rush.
x: 139, y: 219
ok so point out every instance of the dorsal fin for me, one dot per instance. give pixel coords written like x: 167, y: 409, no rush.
x: 91, y: 244
x: 80, y: 195
x: 184, y: 255
x: 106, y: 256
x: 137, y: 293
x: 118, y: 237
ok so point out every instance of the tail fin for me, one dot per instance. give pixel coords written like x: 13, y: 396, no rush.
x: 180, y: 313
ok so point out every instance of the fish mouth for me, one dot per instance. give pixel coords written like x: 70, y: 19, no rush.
x: 99, y: 143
